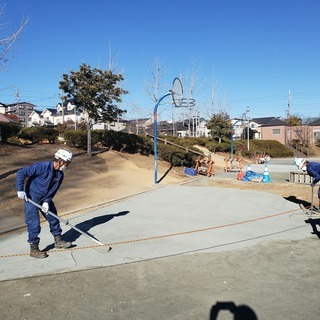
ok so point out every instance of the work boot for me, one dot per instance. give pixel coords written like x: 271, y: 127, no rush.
x: 61, y: 244
x: 35, y: 251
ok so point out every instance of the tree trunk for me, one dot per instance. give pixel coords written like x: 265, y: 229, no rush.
x: 89, y: 138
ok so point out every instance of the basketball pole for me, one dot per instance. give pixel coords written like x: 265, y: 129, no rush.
x: 155, y: 129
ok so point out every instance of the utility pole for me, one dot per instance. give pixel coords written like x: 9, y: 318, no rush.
x: 248, y: 121
x: 62, y: 106
x: 289, y: 104
x: 17, y: 95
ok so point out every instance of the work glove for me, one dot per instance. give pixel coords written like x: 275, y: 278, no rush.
x: 22, y: 195
x: 45, y: 207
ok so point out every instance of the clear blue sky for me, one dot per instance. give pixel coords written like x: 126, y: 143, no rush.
x: 252, y: 52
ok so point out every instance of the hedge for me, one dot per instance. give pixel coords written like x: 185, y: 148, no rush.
x: 7, y: 130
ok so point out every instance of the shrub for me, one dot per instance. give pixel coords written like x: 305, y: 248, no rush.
x: 176, y: 156
x: 130, y: 143
x: 38, y: 134
x: 76, y: 138
x: 8, y: 130
x: 271, y: 147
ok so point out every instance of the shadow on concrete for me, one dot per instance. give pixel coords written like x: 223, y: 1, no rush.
x: 314, y: 223
x: 296, y: 200
x: 241, y: 312
x: 165, y: 174
x: 72, y: 235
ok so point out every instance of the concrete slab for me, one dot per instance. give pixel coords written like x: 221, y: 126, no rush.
x: 166, y: 221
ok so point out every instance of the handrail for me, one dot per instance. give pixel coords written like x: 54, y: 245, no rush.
x: 177, y: 145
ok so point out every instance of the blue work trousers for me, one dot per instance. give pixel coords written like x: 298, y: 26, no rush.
x: 32, y: 220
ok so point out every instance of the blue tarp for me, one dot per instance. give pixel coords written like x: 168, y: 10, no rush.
x: 249, y: 175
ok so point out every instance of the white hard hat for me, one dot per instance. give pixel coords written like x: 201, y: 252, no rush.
x: 300, y: 162
x: 64, y: 154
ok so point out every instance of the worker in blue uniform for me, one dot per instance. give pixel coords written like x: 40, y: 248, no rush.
x: 40, y: 182
x: 313, y: 170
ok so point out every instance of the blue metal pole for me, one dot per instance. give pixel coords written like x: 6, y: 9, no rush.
x: 155, y: 127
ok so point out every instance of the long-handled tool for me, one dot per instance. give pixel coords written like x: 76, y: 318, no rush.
x: 310, y: 210
x: 311, y: 207
x: 66, y: 222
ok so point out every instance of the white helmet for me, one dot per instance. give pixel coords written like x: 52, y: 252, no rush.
x: 63, y: 154
x: 300, y: 162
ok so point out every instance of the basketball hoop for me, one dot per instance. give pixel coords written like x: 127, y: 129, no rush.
x: 177, y: 98
x: 187, y: 103
x: 177, y: 92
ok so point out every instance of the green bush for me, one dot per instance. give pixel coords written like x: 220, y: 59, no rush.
x: 8, y: 130
x: 76, y: 138
x: 113, y: 140
x: 271, y: 147
x: 214, y: 146
x: 38, y: 134
x: 126, y: 142
x: 176, y: 156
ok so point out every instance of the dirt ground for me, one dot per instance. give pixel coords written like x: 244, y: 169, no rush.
x: 277, y: 280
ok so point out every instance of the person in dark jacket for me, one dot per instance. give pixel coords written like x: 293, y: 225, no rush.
x: 313, y: 170
x: 43, y: 179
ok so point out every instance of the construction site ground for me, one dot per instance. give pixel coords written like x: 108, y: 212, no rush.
x: 186, y: 248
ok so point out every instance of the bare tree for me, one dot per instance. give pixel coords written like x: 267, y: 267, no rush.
x: 302, y: 135
x: 192, y: 78
x: 7, y: 41
x: 153, y: 87
x: 157, y: 74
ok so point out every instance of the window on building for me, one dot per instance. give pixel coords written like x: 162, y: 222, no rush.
x: 316, y: 135
x: 275, y: 131
x: 21, y: 107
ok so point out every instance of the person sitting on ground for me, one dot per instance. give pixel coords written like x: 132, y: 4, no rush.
x: 43, y: 181
x: 313, y: 170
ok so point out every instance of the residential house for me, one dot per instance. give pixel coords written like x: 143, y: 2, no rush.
x: 271, y: 128
x: 308, y: 134
x: 182, y: 129
x: 201, y: 128
x: 139, y: 126
x: 22, y: 110
x: 48, y: 116
x: 4, y: 118
x: 315, y: 132
x: 2, y: 108
x: 35, y: 119
x: 237, y: 127
x: 115, y: 125
x: 54, y: 116
x: 68, y: 112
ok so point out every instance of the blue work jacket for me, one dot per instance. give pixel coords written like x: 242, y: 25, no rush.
x: 43, y: 181
x: 313, y: 169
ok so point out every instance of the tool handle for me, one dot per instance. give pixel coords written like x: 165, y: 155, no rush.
x: 66, y: 222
